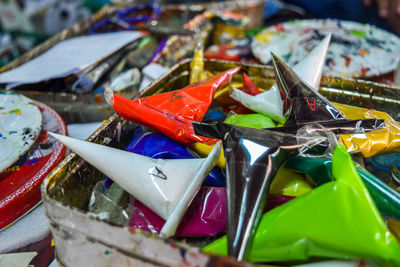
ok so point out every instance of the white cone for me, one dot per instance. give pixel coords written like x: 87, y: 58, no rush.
x: 166, y: 186
x: 269, y: 103
x: 310, y: 68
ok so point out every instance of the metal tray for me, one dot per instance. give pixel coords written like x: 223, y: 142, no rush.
x: 81, y: 239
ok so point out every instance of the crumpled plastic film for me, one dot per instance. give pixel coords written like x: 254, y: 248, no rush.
x: 206, y: 215
x: 336, y: 220
x: 110, y: 204
x: 316, y: 130
x: 375, y: 142
x: 171, y: 113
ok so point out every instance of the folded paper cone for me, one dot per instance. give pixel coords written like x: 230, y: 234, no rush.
x: 311, y: 67
x: 176, y: 215
x: 306, y: 104
x: 159, y: 184
x: 270, y: 102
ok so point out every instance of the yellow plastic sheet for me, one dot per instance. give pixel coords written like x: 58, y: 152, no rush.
x: 203, y: 150
x: 197, y: 67
x: 289, y: 183
x: 374, y: 142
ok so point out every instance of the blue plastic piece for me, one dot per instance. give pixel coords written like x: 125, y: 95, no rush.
x: 156, y: 145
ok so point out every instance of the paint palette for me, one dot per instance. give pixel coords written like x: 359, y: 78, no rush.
x: 356, y: 50
x: 20, y: 183
x: 20, y: 125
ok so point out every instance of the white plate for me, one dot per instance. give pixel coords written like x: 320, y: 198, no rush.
x: 20, y: 125
x: 356, y: 50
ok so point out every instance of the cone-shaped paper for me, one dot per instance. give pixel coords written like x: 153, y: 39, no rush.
x: 322, y: 223
x: 270, y: 103
x: 311, y: 67
x: 171, y: 113
x: 162, y: 185
x: 318, y: 171
x: 156, y: 145
x: 253, y: 158
x: 306, y: 103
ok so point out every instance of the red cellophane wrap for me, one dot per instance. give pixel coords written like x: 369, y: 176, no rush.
x: 249, y: 87
x: 171, y: 113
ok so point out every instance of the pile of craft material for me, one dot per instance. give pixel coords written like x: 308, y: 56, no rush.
x: 285, y: 189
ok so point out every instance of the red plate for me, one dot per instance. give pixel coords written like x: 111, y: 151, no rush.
x: 20, y: 183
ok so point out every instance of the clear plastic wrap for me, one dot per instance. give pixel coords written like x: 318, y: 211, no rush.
x: 111, y: 204
x: 307, y: 105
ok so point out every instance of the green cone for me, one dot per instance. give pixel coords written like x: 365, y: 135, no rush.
x: 336, y: 220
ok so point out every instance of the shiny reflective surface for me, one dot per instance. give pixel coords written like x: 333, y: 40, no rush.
x: 321, y: 224
x: 319, y: 172
x: 308, y: 105
x: 253, y: 158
